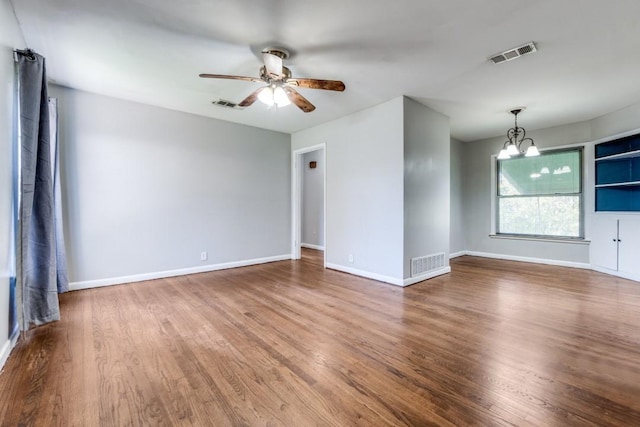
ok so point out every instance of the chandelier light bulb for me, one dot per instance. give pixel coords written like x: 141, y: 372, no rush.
x: 503, y: 154
x: 512, y: 150
x: 532, y: 151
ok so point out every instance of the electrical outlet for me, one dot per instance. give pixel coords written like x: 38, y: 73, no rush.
x: 203, y: 256
x: 351, y: 258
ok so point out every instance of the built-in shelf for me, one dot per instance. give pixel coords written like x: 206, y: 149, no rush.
x: 618, y: 147
x: 617, y: 165
x: 618, y: 184
x: 635, y: 153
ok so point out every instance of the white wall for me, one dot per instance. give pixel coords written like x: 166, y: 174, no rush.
x: 313, y: 200
x: 10, y: 38
x: 387, y: 176
x: 426, y: 183
x: 477, y: 178
x: 457, y: 225
x: 364, y: 155
x: 146, y: 190
x: 624, y: 120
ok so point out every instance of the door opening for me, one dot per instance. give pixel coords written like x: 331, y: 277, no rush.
x: 308, y: 201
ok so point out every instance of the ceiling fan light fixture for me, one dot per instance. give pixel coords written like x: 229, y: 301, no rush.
x: 274, y: 95
x: 266, y: 96
x: 280, y: 97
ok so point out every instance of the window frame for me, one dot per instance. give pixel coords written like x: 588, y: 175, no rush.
x: 580, y: 194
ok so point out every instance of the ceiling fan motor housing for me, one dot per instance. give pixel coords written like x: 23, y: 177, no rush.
x: 277, y: 51
x: 264, y: 75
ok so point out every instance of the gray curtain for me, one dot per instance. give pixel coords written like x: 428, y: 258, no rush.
x: 37, y: 288
x: 61, y: 256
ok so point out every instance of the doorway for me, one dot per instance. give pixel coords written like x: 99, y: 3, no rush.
x: 309, y: 200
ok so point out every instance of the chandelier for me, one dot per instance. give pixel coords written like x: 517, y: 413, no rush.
x: 516, y: 138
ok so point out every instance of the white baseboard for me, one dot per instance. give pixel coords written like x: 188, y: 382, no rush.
x: 387, y: 279
x: 616, y: 273
x: 310, y: 246
x: 430, y: 275
x: 74, y: 286
x: 367, y: 274
x: 529, y: 259
x: 8, y: 346
x: 603, y: 270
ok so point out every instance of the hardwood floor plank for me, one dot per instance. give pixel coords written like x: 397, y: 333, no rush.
x: 291, y: 343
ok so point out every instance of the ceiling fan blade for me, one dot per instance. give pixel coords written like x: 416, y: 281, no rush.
x: 249, y: 100
x: 273, y: 64
x: 336, y: 85
x: 224, y: 76
x: 295, y: 97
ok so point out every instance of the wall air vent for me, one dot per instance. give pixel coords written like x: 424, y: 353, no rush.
x: 224, y: 103
x: 425, y: 264
x: 514, y: 53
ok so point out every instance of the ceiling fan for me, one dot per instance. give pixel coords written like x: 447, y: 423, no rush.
x: 279, y: 90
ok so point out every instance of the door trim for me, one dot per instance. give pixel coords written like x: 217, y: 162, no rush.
x: 296, y: 199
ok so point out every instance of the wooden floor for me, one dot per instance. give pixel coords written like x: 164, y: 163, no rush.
x: 291, y: 344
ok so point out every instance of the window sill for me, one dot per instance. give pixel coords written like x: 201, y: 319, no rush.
x: 540, y: 239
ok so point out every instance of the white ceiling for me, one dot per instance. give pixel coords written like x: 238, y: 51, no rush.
x: 434, y: 51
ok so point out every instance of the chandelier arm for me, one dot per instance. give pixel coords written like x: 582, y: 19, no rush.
x: 524, y: 133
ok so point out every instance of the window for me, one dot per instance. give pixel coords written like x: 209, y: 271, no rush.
x: 541, y: 196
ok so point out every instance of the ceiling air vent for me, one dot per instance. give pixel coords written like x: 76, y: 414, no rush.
x: 514, y: 53
x: 224, y: 103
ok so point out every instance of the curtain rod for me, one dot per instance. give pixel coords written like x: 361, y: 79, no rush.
x: 26, y: 52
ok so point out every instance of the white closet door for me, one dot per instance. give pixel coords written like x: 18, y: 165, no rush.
x: 604, y: 245
x: 629, y: 247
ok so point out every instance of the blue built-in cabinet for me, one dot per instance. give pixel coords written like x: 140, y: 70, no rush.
x: 618, y: 175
